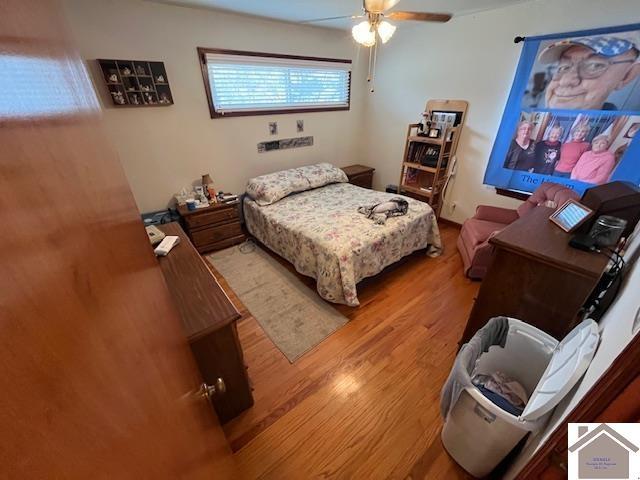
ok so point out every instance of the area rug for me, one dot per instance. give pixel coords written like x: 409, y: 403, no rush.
x: 293, y: 316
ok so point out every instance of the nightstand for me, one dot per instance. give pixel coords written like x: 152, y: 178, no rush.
x: 214, y: 227
x: 360, y: 175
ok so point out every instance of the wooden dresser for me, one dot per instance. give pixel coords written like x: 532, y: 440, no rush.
x: 536, y: 277
x: 359, y: 175
x: 214, y: 227
x: 209, y: 323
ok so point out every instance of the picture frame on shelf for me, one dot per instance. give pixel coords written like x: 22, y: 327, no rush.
x: 434, y: 133
x: 447, y: 118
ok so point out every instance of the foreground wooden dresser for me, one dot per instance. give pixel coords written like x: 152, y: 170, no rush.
x: 536, y: 277
x: 209, y: 322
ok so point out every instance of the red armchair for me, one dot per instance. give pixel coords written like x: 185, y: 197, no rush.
x: 473, y: 242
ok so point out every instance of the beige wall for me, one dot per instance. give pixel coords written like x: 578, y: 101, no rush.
x: 472, y: 58
x: 163, y: 149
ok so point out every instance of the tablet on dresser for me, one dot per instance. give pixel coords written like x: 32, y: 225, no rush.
x: 570, y: 215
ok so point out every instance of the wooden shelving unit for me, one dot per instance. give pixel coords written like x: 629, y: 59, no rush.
x: 427, y: 162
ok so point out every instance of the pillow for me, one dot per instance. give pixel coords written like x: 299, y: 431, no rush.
x: 268, y: 189
x: 323, y: 174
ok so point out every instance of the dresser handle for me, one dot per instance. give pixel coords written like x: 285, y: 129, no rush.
x: 209, y: 391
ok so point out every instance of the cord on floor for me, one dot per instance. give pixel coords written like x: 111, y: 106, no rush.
x: 248, y: 246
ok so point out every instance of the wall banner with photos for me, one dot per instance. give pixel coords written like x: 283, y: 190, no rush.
x: 573, y: 112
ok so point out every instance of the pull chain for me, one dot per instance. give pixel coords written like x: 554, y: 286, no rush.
x: 369, y: 67
x: 372, y: 69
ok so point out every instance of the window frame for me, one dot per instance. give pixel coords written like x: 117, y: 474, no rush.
x: 202, y: 56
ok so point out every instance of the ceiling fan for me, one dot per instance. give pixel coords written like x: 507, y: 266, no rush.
x: 375, y: 25
x: 376, y: 14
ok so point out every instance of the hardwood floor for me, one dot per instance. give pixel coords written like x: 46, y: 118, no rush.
x: 364, y: 404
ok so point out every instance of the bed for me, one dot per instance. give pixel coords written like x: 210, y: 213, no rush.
x: 310, y: 217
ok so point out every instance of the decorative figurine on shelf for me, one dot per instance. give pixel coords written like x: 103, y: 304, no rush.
x: 118, y: 97
x: 149, y: 99
x: 126, y: 71
x: 140, y: 70
x: 207, y: 185
x: 164, y: 98
x: 134, y: 99
x: 113, y: 78
x: 160, y: 79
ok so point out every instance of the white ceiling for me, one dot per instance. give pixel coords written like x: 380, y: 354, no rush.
x: 299, y: 10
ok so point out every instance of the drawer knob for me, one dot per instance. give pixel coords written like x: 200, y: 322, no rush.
x: 210, y: 391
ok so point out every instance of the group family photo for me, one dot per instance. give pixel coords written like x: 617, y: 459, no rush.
x: 582, y: 147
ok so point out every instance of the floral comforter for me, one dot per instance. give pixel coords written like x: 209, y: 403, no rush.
x: 322, y: 234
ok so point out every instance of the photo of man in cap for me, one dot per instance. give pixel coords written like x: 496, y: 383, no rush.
x: 584, y: 72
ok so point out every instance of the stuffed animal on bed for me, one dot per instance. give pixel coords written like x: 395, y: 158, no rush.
x: 381, y: 211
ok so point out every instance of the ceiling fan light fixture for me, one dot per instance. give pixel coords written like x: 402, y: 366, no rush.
x: 364, y: 34
x: 386, y: 30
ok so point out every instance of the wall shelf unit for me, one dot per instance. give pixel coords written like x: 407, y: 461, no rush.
x: 135, y: 83
x: 427, y: 161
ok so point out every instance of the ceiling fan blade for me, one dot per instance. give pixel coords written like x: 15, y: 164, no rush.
x: 379, y: 6
x: 326, y: 19
x: 419, y: 16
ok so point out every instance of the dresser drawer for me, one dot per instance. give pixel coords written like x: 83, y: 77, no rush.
x: 210, y: 218
x: 216, y: 233
x: 221, y: 245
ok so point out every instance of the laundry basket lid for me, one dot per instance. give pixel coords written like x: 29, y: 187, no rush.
x: 569, y: 361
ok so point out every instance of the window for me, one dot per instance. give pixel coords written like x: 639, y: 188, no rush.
x: 249, y: 83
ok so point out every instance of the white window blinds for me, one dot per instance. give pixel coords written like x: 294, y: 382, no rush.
x: 244, y: 83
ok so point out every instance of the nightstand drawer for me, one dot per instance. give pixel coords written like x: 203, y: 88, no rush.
x: 209, y: 218
x: 216, y: 233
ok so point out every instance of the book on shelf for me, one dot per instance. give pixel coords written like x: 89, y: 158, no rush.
x: 410, y: 176
x: 423, y: 153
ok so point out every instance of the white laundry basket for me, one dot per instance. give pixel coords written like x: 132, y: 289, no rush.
x: 477, y: 433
